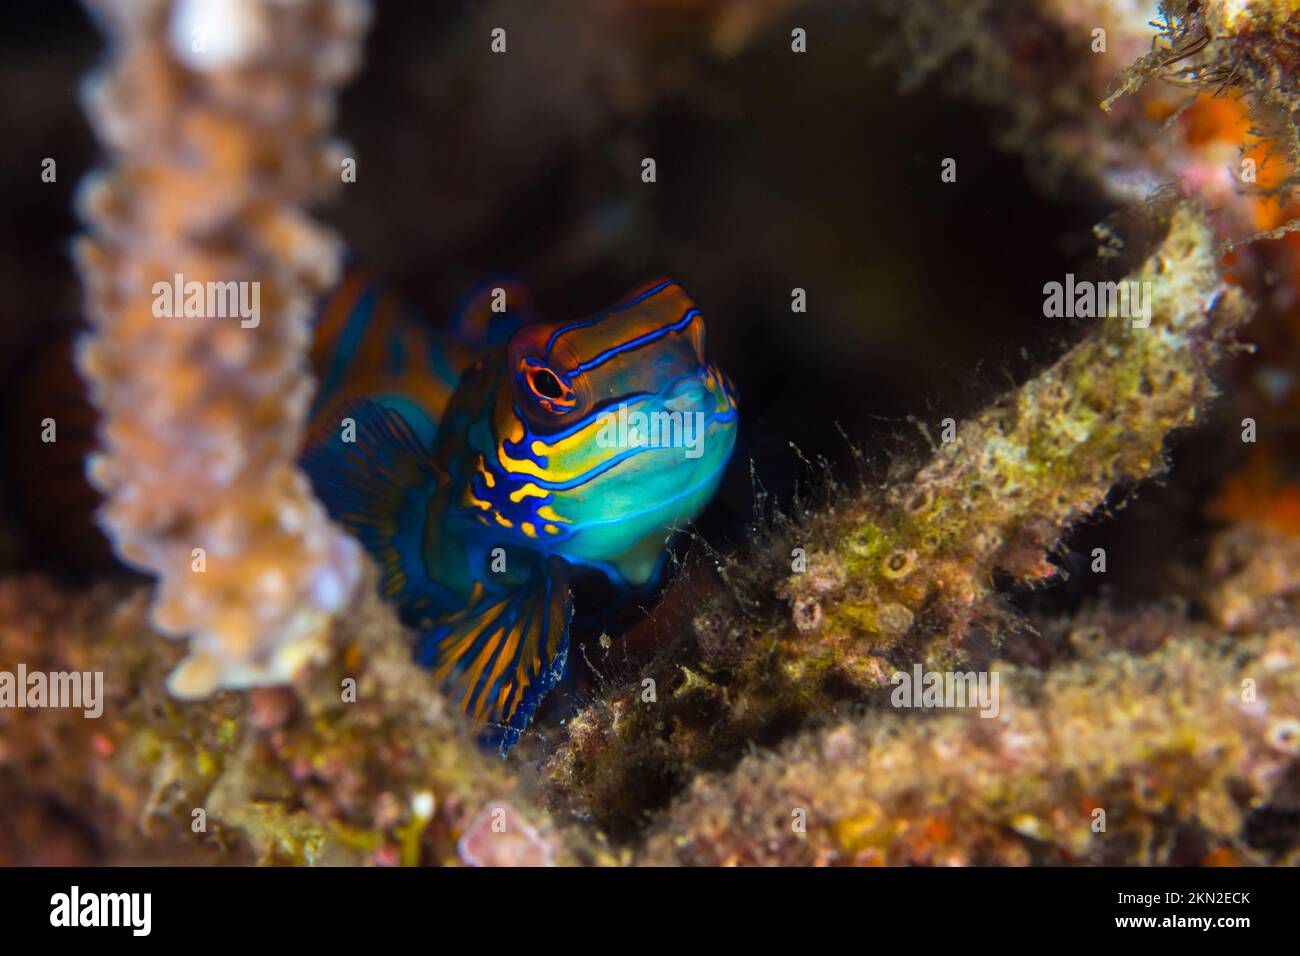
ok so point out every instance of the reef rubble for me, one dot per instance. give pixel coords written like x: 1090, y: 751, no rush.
x: 291, y: 726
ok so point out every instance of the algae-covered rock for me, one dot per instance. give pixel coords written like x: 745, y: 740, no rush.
x: 905, y: 571
x: 772, y: 706
x: 363, y: 762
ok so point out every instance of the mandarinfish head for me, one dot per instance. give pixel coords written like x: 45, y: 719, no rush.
x: 582, y: 443
x: 614, y: 430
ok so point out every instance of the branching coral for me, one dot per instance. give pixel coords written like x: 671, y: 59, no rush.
x: 899, y: 572
x: 1107, y: 761
x: 759, y: 733
x: 1133, y: 99
x: 215, y: 117
x: 1048, y: 66
x: 1235, y: 50
x: 908, y: 570
x: 1251, y: 46
x: 1253, y: 568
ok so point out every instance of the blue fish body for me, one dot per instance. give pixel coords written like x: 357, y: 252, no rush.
x: 479, y: 465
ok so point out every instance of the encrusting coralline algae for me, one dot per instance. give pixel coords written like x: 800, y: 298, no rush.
x: 762, y: 730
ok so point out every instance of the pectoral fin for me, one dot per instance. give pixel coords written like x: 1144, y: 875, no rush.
x: 500, y: 655
x: 378, y: 486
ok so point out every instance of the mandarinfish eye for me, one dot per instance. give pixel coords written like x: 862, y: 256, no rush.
x: 546, y: 384
x: 551, y: 391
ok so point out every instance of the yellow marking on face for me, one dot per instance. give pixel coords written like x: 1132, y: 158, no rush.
x: 551, y: 529
x: 516, y: 429
x: 518, y: 466
x: 504, y: 522
x: 529, y: 490
x: 470, y: 498
x: 529, y: 529
x: 577, y: 440
x: 567, y: 458
x: 547, y: 512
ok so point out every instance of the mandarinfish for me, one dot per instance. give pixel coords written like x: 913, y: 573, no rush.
x: 478, y: 465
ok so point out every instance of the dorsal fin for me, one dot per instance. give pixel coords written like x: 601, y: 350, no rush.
x: 367, y: 343
x: 490, y: 312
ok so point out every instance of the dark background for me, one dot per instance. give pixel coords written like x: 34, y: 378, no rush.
x: 775, y: 170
